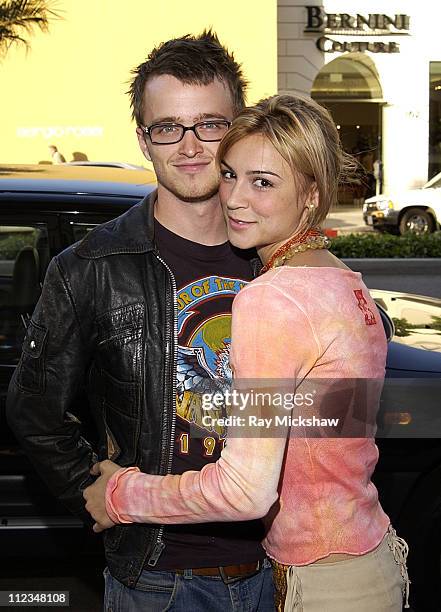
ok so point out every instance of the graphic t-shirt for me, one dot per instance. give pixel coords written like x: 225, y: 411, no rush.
x: 207, y: 280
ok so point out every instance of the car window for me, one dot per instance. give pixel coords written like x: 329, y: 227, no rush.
x: 26, y: 248
x: 436, y: 184
x: 416, y: 320
x: 79, y: 230
x: 24, y: 257
x: 75, y: 227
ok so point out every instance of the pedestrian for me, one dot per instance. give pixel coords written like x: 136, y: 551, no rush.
x: 308, y: 327
x: 139, y: 311
x: 57, y: 157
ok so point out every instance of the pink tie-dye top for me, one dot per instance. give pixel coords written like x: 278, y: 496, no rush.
x: 300, y: 324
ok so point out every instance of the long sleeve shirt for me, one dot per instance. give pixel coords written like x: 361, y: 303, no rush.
x: 319, y: 329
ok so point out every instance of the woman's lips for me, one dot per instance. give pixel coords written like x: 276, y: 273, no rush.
x: 239, y: 225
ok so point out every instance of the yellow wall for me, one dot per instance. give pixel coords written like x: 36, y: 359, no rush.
x: 76, y: 75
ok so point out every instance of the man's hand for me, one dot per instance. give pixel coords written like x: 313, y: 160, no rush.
x: 95, y: 495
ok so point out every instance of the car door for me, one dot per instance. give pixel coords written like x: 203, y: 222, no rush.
x: 27, y: 242
x: 74, y: 226
x: 29, y: 239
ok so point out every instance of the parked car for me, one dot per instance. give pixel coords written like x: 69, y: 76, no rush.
x: 415, y: 210
x: 43, y: 209
x: 106, y: 164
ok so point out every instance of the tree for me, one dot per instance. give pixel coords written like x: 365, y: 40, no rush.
x: 18, y: 18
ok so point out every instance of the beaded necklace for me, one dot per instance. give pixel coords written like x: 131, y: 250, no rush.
x: 312, y: 238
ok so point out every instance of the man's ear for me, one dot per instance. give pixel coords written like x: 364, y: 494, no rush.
x: 142, y: 141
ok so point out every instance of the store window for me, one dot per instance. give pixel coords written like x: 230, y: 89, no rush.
x: 350, y: 89
x: 435, y: 120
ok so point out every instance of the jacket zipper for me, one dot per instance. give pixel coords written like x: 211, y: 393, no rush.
x: 159, y: 544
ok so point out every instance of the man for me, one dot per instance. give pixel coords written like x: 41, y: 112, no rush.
x: 141, y: 309
x: 58, y: 158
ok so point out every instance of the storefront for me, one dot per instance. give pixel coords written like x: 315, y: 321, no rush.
x: 378, y: 73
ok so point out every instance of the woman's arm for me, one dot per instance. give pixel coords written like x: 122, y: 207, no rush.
x: 241, y: 485
x: 272, y: 340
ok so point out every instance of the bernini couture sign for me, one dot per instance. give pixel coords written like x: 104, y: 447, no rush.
x: 344, y: 24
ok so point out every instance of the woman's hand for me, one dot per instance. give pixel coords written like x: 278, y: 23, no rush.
x: 95, y: 494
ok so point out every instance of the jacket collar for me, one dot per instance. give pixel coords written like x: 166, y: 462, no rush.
x: 132, y: 232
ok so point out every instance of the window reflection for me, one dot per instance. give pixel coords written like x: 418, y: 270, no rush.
x: 417, y: 319
x: 24, y: 257
x: 79, y: 230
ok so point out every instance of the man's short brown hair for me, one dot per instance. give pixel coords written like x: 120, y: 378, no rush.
x: 194, y: 60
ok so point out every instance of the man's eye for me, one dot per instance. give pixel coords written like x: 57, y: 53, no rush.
x: 219, y: 127
x: 227, y: 174
x: 168, y: 129
x: 262, y: 183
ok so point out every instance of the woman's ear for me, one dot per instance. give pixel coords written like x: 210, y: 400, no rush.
x: 311, y: 198
x: 311, y: 201
x: 313, y: 195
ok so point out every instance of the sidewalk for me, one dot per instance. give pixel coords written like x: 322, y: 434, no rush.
x: 346, y: 220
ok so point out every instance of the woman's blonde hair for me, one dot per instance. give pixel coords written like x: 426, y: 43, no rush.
x: 305, y: 135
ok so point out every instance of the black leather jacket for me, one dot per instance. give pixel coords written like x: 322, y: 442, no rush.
x: 106, y: 320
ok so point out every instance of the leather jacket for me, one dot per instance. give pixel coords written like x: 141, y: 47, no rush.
x: 106, y: 321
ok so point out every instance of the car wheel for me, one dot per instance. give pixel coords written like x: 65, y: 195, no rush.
x: 417, y: 221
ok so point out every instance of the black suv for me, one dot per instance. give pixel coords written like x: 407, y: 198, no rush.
x: 43, y: 209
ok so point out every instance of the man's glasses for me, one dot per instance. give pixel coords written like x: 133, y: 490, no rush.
x: 171, y: 133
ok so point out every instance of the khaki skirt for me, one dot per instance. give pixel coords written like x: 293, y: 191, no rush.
x: 376, y: 581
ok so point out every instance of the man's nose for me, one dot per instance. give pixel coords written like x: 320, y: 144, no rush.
x: 190, y: 145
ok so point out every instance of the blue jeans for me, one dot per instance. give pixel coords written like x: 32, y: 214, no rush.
x: 167, y: 591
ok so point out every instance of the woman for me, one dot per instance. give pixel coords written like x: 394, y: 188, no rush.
x: 308, y: 323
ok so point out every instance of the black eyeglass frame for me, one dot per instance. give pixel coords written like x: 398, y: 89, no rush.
x: 192, y: 128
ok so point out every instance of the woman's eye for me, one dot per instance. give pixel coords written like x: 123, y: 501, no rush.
x: 227, y: 174
x: 262, y: 183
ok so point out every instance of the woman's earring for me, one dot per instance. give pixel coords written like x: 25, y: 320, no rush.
x: 311, y: 213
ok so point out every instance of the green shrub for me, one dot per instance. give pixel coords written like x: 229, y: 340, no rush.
x: 371, y: 244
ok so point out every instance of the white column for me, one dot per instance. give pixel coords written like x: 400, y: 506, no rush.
x: 299, y: 60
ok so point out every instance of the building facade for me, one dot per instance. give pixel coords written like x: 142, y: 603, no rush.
x: 69, y: 88
x: 377, y: 67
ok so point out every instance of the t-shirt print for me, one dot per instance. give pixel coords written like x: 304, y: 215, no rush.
x: 204, y: 331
